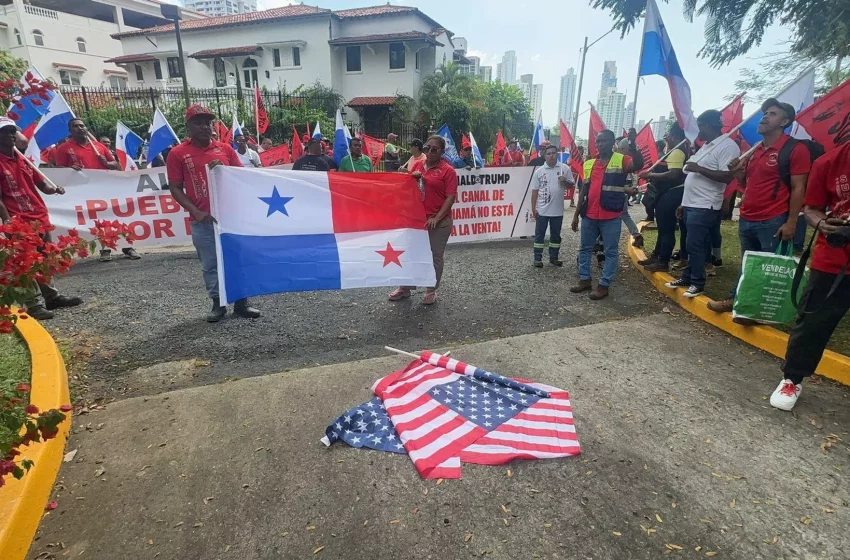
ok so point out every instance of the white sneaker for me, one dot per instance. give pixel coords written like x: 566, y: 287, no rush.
x: 786, y: 394
x: 693, y: 292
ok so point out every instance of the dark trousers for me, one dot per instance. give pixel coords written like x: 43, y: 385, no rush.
x: 700, y: 223
x: 44, y: 293
x: 716, y: 239
x: 665, y: 218
x: 554, y: 224
x: 812, y: 331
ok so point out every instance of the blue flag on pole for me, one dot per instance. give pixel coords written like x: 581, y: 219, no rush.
x: 451, y: 149
x: 162, y: 135
x: 342, y: 139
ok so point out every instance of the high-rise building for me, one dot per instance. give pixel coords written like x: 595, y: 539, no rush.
x: 659, y: 127
x: 566, y: 99
x: 499, y: 71
x: 486, y: 73
x: 641, y: 123
x: 533, y: 94
x: 629, y: 116
x: 222, y: 7
x: 507, y: 68
x: 610, y: 108
x: 609, y: 75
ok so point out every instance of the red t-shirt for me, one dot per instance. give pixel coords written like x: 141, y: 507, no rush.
x: 187, y: 164
x: 594, y: 195
x: 440, y: 183
x: 69, y: 153
x: 829, y: 186
x: 763, y: 199
x: 18, y: 190
x: 513, y: 158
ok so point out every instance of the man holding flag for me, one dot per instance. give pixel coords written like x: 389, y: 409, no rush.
x: 355, y: 161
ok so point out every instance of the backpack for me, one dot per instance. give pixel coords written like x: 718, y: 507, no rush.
x: 784, y: 158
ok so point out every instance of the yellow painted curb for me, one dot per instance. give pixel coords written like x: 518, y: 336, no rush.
x: 833, y: 365
x: 22, y: 502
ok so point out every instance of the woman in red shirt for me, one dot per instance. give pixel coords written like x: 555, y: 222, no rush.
x: 438, y: 180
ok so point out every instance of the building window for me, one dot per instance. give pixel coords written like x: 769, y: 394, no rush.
x: 396, y: 56
x: 286, y: 58
x: 296, y: 56
x: 416, y: 60
x: 276, y: 55
x: 69, y: 78
x: 249, y: 71
x: 140, y: 74
x: 173, y: 67
x: 157, y: 69
x: 117, y: 82
x: 352, y: 59
x: 38, y: 36
x: 81, y: 44
x: 18, y: 38
x: 220, y: 72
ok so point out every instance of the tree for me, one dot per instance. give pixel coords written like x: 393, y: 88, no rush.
x: 11, y: 67
x: 774, y: 70
x: 733, y: 27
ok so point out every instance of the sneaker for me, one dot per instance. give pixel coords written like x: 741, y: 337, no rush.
x: 39, y: 313
x: 675, y: 256
x: 679, y: 265
x: 657, y: 266
x: 105, y: 255
x: 710, y: 270
x: 399, y: 294
x: 556, y: 262
x: 217, y: 312
x: 430, y: 297
x: 678, y: 284
x: 693, y: 291
x: 724, y: 306
x: 63, y: 301
x: 243, y: 309
x: 582, y: 286
x: 131, y: 253
x: 786, y: 394
x: 638, y: 241
x: 538, y: 264
x: 652, y: 259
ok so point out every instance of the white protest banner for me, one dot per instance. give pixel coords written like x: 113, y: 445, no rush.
x: 492, y: 203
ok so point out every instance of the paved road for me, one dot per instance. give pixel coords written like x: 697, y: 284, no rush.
x: 681, y: 453
x: 143, y: 314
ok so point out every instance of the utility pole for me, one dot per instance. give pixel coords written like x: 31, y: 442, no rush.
x: 173, y: 13
x: 581, y: 75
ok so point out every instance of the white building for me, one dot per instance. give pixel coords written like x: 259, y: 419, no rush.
x: 629, y: 115
x: 611, y: 106
x: 609, y: 75
x: 221, y: 7
x: 486, y: 73
x: 70, y: 41
x: 533, y: 94
x: 566, y: 98
x: 507, y: 68
x: 368, y: 55
x: 659, y: 127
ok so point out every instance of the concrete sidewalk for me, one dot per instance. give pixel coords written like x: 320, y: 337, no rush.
x: 681, y: 454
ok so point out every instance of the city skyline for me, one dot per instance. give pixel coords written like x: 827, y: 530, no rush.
x: 566, y: 96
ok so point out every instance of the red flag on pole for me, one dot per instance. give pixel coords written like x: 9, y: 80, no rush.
x: 374, y: 148
x: 297, y: 146
x: 568, y: 142
x: 278, y: 155
x: 645, y: 142
x: 260, y: 111
x: 828, y: 120
x: 596, y: 126
x: 500, y: 148
x: 733, y: 114
x: 224, y: 134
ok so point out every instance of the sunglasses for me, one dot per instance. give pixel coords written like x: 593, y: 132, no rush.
x: 431, y: 149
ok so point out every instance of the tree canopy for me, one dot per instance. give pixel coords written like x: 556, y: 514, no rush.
x: 11, y: 67
x: 734, y: 27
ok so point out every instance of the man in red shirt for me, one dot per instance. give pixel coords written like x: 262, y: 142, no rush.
x: 513, y: 157
x: 18, y: 197
x: 771, y: 206
x: 189, y: 185
x: 827, y: 296
x: 600, y: 210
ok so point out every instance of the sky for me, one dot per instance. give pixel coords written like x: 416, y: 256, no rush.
x: 548, y: 42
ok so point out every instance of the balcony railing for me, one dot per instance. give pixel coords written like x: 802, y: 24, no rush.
x: 41, y: 12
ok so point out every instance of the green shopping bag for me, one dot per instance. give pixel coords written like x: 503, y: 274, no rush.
x: 764, y: 290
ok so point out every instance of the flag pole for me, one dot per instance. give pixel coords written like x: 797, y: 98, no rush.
x: 637, y: 81
x: 665, y: 156
x: 36, y: 169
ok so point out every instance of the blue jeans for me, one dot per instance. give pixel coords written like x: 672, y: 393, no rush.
x: 758, y: 236
x: 700, y: 223
x: 609, y: 230
x: 627, y: 219
x: 203, y: 238
x: 554, y: 224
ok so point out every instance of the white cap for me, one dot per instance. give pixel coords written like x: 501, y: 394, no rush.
x: 6, y: 121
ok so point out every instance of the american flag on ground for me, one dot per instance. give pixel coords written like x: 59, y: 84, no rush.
x: 444, y: 412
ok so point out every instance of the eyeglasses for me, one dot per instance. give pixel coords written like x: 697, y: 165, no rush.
x: 431, y: 149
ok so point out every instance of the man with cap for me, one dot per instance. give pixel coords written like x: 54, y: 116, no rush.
x: 771, y: 207
x: 391, y: 154
x: 539, y: 159
x: 465, y: 159
x: 513, y: 157
x: 189, y: 185
x: 19, y: 197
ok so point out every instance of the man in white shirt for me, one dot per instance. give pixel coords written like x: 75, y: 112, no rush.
x: 706, y: 176
x: 247, y: 156
x: 547, y: 201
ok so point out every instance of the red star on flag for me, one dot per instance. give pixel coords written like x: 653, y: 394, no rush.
x: 390, y: 255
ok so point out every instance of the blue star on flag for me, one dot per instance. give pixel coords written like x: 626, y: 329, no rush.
x: 276, y: 203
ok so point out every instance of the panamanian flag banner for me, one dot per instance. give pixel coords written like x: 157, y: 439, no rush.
x: 292, y: 231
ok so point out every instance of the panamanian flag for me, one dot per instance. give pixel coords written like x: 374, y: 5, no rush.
x: 293, y: 231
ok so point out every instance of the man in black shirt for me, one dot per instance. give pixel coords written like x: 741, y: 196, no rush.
x: 314, y: 160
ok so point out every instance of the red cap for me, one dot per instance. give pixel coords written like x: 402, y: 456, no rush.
x: 305, y: 138
x: 197, y: 110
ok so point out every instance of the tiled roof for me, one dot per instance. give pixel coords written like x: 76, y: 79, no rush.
x: 371, y: 101
x: 69, y: 66
x: 406, y: 36
x: 374, y: 11
x: 127, y: 58
x: 275, y: 14
x: 230, y: 51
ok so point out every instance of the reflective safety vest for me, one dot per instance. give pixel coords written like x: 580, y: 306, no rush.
x: 613, y: 195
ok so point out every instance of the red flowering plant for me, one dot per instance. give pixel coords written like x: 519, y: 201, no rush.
x: 12, y: 93
x: 108, y: 233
